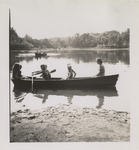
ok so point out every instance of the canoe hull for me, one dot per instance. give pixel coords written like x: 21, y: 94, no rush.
x: 40, y: 54
x: 57, y: 83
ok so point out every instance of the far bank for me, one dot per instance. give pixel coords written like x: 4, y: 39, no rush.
x: 68, y: 50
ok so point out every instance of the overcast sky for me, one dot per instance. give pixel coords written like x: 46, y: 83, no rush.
x: 59, y: 18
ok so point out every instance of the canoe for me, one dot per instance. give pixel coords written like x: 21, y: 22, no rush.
x: 58, y: 83
x: 40, y: 54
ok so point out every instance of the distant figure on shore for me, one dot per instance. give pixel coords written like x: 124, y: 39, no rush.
x: 45, y: 73
x: 17, y: 71
x: 101, y: 67
x: 71, y: 72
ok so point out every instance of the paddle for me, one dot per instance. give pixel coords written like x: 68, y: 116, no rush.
x: 38, y: 72
x: 53, y: 71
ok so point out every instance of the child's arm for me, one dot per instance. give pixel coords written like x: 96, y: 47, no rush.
x: 74, y: 73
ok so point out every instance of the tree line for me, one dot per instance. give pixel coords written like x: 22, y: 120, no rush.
x: 108, y: 39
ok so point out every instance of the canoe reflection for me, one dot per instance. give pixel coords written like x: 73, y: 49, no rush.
x: 99, y: 93
x: 19, y: 94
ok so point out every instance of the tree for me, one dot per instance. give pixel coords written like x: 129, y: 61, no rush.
x: 108, y: 39
x: 14, y: 37
x: 119, y: 42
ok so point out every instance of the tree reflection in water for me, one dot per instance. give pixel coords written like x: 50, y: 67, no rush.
x: 108, y: 56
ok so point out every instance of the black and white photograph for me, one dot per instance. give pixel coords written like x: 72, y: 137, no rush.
x: 70, y: 72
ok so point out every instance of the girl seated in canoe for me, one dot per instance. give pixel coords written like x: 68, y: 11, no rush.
x: 71, y: 72
x: 45, y: 73
x: 17, y: 71
x: 101, y: 67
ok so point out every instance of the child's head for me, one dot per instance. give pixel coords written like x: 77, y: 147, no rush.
x: 69, y: 66
x: 99, y: 61
x: 17, y: 67
x: 43, y: 67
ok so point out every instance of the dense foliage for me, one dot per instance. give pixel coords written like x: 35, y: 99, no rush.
x: 108, y: 39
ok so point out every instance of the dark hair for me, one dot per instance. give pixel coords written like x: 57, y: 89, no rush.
x: 16, y: 70
x: 99, y: 60
x: 43, y: 67
x: 17, y: 67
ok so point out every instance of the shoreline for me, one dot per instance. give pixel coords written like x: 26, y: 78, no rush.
x: 64, y: 123
x: 69, y: 50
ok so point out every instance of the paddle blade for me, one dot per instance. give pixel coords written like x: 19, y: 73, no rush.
x: 36, y: 72
x: 53, y: 71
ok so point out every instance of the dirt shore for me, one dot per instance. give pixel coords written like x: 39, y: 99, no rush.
x: 64, y: 123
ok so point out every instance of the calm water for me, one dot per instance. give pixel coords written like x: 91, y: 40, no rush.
x: 84, y: 64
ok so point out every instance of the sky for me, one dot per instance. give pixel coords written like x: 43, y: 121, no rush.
x: 60, y: 18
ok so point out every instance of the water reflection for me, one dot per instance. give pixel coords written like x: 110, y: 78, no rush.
x: 99, y: 93
x: 29, y: 57
x: 39, y: 57
x: 101, y: 101
x: 16, y: 57
x: 108, y: 56
x: 19, y: 94
x: 85, y: 65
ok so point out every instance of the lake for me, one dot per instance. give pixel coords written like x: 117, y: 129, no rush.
x: 84, y: 64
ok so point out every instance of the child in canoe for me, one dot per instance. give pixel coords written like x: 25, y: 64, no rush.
x: 71, y: 72
x: 45, y: 73
x: 101, y: 67
x: 17, y: 71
